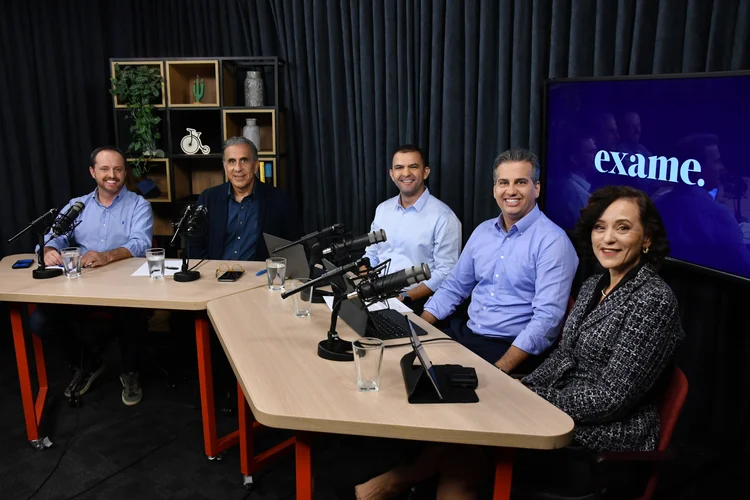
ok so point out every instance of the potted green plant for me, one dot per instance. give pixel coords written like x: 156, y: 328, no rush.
x: 138, y: 87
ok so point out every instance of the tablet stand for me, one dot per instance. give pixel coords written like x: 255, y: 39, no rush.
x: 419, y: 389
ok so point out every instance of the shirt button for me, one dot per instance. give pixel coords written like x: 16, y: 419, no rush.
x: 502, y: 256
x: 484, y: 309
x: 479, y: 326
x: 104, y: 225
x: 497, y: 276
x: 235, y: 251
x: 492, y: 294
x: 238, y: 237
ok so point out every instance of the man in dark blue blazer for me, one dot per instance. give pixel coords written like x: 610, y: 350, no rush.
x: 241, y: 210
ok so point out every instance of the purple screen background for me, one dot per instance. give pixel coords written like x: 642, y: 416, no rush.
x: 705, y: 119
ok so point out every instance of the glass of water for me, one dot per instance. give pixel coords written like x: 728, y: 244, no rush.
x: 303, y: 299
x: 276, y: 271
x: 155, y: 259
x: 368, y: 356
x: 71, y: 258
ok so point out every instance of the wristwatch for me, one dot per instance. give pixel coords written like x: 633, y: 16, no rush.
x: 405, y: 298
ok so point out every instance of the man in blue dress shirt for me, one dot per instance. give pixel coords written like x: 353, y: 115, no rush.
x: 419, y: 227
x: 518, y: 269
x: 115, y: 224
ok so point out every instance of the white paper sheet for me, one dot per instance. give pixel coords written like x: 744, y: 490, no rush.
x: 171, y: 266
x: 394, y: 304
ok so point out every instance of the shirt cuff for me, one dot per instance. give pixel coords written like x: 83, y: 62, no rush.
x: 526, y: 343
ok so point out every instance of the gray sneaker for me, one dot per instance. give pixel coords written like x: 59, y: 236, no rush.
x: 83, y: 382
x: 131, y: 389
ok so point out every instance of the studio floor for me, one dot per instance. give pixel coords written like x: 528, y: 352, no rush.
x: 154, y: 450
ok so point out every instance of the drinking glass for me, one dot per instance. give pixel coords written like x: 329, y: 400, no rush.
x: 368, y: 356
x: 71, y: 258
x: 303, y: 299
x: 155, y: 259
x: 276, y: 271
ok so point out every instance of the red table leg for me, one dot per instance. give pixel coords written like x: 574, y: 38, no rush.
x: 503, y: 474
x: 213, y: 446
x: 304, y: 466
x: 32, y: 410
x: 249, y: 462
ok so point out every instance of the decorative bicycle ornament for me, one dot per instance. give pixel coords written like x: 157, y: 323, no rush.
x: 191, y: 143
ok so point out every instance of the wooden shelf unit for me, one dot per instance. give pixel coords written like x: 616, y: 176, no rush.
x: 182, y: 177
x: 138, y: 62
x: 235, y: 120
x: 182, y: 74
x: 159, y: 172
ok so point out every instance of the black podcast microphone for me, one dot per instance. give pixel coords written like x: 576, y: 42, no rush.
x: 66, y: 221
x: 180, y: 226
x: 352, y: 266
x: 390, y: 284
x: 197, y: 220
x: 355, y: 243
x: 323, y: 232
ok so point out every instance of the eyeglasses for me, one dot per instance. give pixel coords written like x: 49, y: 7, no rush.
x: 224, y: 268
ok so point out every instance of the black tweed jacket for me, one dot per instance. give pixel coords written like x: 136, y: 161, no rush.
x: 604, y: 369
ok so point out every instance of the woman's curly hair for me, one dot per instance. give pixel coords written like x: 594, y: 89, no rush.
x: 650, y: 220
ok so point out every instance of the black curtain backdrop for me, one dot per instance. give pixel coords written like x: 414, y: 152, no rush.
x: 463, y: 79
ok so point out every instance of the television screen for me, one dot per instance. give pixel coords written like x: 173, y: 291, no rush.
x: 682, y: 140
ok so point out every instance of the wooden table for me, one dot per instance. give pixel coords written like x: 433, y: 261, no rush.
x: 113, y: 286
x: 273, y: 354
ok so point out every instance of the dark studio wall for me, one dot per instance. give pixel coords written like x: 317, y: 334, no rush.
x: 461, y: 79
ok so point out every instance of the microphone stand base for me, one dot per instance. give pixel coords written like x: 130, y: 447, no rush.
x: 185, y: 276
x: 335, y: 349
x: 43, y: 274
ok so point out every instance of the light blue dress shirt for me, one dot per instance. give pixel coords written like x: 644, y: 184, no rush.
x: 426, y: 232
x: 519, y: 281
x: 128, y: 222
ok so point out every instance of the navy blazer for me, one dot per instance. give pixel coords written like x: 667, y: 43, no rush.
x: 277, y: 215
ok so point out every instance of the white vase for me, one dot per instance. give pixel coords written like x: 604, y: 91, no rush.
x: 251, y: 132
x: 254, y: 89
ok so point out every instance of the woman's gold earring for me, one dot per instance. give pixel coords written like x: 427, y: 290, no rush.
x: 645, y: 249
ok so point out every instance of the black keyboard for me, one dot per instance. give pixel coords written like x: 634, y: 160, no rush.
x: 388, y: 324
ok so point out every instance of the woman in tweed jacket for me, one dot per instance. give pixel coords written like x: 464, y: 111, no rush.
x: 622, y: 331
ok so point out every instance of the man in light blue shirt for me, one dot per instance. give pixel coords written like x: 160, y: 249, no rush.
x: 419, y: 227
x: 115, y: 224
x: 518, y: 269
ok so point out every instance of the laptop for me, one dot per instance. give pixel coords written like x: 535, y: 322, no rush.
x: 384, y: 324
x: 296, y: 259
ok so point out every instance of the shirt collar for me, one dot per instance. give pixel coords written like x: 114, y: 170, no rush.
x: 418, y: 205
x: 229, y: 189
x: 523, y: 224
x: 95, y: 196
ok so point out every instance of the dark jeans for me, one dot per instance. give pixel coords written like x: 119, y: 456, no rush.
x: 491, y: 349
x: 54, y: 323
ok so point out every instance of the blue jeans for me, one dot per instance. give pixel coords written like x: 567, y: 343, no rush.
x: 55, y: 323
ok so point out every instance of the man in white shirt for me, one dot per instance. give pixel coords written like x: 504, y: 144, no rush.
x: 419, y: 227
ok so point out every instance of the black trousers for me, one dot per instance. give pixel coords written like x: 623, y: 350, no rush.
x: 56, y: 324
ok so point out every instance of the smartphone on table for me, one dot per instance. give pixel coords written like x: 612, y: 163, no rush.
x: 23, y: 263
x: 231, y: 276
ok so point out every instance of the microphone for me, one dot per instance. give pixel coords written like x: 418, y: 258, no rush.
x: 197, y: 220
x: 390, y: 284
x: 352, y: 266
x: 180, y: 226
x: 355, y: 243
x: 330, y: 229
x: 66, y: 222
